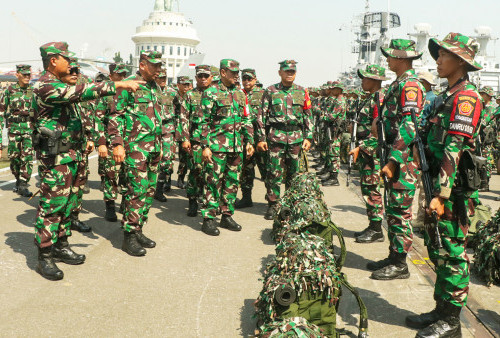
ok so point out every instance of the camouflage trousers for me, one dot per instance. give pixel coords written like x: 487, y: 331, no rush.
x: 451, y: 262
x: 195, y: 181
x: 282, y: 157
x: 20, y: 151
x: 222, y: 178
x: 166, y: 166
x: 59, y: 188
x: 333, y: 156
x: 344, y: 147
x: 110, y: 172
x: 487, y: 153
x: 141, y: 173
x: 183, y: 161
x: 399, y: 215
x: 248, y: 170
x: 82, y: 178
x: 369, y: 170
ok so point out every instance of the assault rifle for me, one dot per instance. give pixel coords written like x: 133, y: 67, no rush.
x: 382, y: 143
x: 426, y: 177
x: 354, y: 140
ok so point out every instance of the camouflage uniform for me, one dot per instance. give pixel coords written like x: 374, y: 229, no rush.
x: 226, y: 129
x: 488, y: 135
x: 15, y: 107
x: 284, y: 122
x: 183, y: 155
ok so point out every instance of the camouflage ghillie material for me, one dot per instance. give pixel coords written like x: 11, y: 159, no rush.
x: 487, y: 254
x: 463, y: 46
x: 401, y: 49
x: 290, y: 327
x: 15, y: 109
x: 136, y: 124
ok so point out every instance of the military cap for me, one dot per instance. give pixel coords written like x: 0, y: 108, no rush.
x: 374, y: 72
x: 230, y: 64
x: 487, y: 90
x: 118, y: 68
x: 427, y: 76
x: 183, y: 80
x: 101, y: 77
x: 249, y: 72
x: 203, y: 69
x: 462, y: 46
x: 288, y: 64
x: 23, y: 69
x: 259, y: 84
x: 55, y: 48
x: 401, y: 49
x: 151, y: 56
x: 73, y: 62
x: 337, y: 84
x: 163, y: 73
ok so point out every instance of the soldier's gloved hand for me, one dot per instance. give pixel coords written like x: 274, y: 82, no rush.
x: 103, y: 151
x: 129, y: 85
x: 250, y: 150
x: 306, y: 145
x: 207, y: 155
x: 186, y: 145
x: 355, y: 154
x: 119, y: 154
x: 262, y: 146
x: 389, y: 170
x: 437, y: 205
x: 90, y: 147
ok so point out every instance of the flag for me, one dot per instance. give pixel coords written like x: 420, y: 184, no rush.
x: 192, y: 65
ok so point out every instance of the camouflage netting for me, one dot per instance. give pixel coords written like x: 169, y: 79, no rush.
x: 290, y: 327
x: 487, y: 253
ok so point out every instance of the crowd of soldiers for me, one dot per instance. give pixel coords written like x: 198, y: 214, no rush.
x: 220, y: 132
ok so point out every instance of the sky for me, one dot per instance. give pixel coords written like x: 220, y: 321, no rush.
x: 258, y: 33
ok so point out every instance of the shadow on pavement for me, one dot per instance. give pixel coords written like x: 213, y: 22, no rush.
x: 266, y: 237
x: 248, y: 323
x: 347, y: 208
x: 174, y: 212
x: 22, y: 242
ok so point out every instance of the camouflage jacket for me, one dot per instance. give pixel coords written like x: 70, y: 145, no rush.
x: 191, y: 116
x: 103, y: 111
x: 368, y: 111
x: 226, y: 126
x: 136, y: 122
x: 54, y: 108
x: 15, y: 108
x: 452, y: 128
x: 178, y: 102
x: 254, y: 98
x: 169, y: 100
x: 284, y: 108
x: 336, y: 109
x: 87, y: 109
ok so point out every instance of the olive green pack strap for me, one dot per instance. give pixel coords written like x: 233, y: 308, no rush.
x: 363, y: 312
x: 339, y: 262
x: 303, y: 162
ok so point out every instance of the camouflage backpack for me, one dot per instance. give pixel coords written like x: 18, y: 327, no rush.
x: 291, y: 327
x: 304, y: 281
x: 487, y: 254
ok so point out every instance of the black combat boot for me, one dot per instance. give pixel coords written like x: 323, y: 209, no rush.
x: 372, y: 234
x: 16, y: 187
x: 61, y: 252
x: 46, y: 265
x: 245, y: 201
x: 159, y: 192
x: 319, y: 166
x: 131, y: 245
x: 227, y: 222
x: 377, y: 265
x: 22, y: 189
x: 180, y: 181
x: 193, y: 207
x: 102, y: 183
x: 210, y: 227
x: 323, y: 175
x: 448, y: 324
x: 332, y: 180
x: 79, y: 226
x: 86, y: 188
x: 168, y: 184
x: 425, y: 319
x: 144, y: 241
x: 398, y: 269
x: 269, y: 215
x: 316, y: 154
x: 110, y: 215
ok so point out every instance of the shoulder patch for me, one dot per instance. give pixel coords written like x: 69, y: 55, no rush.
x: 411, y: 97
x: 465, y: 114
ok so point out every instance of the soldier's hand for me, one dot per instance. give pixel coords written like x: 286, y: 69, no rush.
x: 129, y: 85
x: 119, y: 154
x: 90, y: 147
x: 374, y: 128
x: 103, y: 151
x: 250, y: 150
x: 416, y: 156
x: 207, y: 155
x: 355, y: 153
x: 389, y: 170
x: 437, y: 205
x: 262, y: 146
x: 186, y: 145
x: 306, y: 145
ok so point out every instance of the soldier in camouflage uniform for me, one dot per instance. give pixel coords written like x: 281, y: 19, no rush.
x: 403, y: 95
x: 59, y: 136
x: 451, y: 130
x: 15, y: 107
x: 487, y: 133
x: 135, y: 130
x: 254, y: 96
x: 284, y: 129
x: 169, y: 101
x: 369, y: 163
x: 183, y: 86
x: 108, y: 168
x: 191, y: 118
x: 227, y: 135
